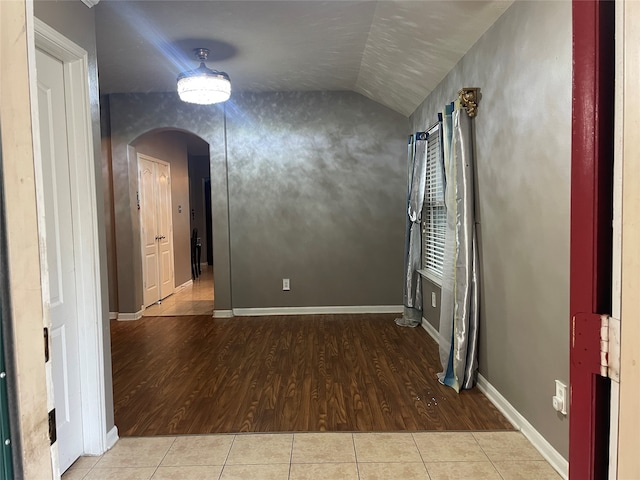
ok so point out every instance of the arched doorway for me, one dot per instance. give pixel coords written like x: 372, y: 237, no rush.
x: 184, y: 159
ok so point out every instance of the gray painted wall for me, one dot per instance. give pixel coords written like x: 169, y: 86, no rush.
x: 523, y: 142
x: 109, y: 218
x: 430, y: 313
x: 77, y: 22
x: 316, y: 193
x: 171, y: 147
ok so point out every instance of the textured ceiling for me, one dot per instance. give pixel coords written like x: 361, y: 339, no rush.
x: 394, y: 52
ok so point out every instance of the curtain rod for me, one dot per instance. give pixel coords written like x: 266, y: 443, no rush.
x: 430, y: 128
x: 468, y: 97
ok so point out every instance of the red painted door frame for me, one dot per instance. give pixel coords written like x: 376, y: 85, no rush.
x: 591, y: 235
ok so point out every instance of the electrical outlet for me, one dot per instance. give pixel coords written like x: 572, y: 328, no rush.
x: 285, y: 285
x: 433, y: 299
x: 560, y: 398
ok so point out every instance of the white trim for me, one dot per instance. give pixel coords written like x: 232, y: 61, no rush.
x: 130, y: 316
x: 614, y: 430
x: 250, y: 312
x: 431, y: 276
x: 113, y: 315
x: 431, y: 330
x: 186, y: 284
x: 84, y: 205
x: 222, y: 313
x: 112, y: 437
x: 90, y: 3
x: 41, y: 223
x: 550, y: 454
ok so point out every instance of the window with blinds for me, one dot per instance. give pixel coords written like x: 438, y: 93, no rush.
x: 434, y: 215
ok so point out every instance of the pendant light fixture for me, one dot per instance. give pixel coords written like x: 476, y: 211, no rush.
x: 203, y: 85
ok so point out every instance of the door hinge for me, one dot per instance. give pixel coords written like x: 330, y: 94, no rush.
x: 610, y: 347
x: 53, y: 435
x: 46, y: 345
x: 585, y: 342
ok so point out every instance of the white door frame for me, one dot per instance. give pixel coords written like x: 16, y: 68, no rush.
x: 85, y: 230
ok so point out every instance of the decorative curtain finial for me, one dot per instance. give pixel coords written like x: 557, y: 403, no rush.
x: 469, y: 100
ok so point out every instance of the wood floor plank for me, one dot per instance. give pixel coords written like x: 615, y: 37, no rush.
x: 197, y: 374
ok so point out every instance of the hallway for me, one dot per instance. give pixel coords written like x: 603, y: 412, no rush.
x: 194, y: 299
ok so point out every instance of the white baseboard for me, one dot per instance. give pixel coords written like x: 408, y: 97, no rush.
x: 250, y: 312
x: 112, y: 437
x: 550, y: 454
x: 130, y: 316
x: 222, y: 313
x: 431, y: 330
x: 186, y: 284
x: 113, y: 315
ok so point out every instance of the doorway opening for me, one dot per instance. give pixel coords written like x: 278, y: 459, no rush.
x: 184, y: 159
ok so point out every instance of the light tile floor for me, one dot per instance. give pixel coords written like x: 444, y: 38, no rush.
x: 326, y: 456
x: 196, y: 299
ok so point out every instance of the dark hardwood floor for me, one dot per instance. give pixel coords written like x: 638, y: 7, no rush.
x: 197, y: 374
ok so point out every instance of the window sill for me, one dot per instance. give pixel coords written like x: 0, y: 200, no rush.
x: 432, y: 277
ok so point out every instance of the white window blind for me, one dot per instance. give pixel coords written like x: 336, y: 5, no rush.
x: 434, y: 215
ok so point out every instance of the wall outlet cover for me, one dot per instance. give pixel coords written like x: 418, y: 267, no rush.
x: 560, y: 398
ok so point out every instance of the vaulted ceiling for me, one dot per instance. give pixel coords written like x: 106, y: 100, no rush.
x: 394, y: 52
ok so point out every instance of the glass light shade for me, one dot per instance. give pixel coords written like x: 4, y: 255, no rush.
x: 204, y: 86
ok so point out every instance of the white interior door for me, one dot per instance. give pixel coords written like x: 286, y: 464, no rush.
x: 165, y: 229
x: 149, y: 231
x: 156, y: 227
x: 63, y: 308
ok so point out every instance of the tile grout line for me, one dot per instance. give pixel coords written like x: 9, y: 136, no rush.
x: 85, y: 475
x: 92, y: 467
x: 163, y: 457
x: 355, y: 454
x: 293, y: 439
x: 486, y: 454
x: 490, y: 459
x: 420, y: 453
x: 227, y: 457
